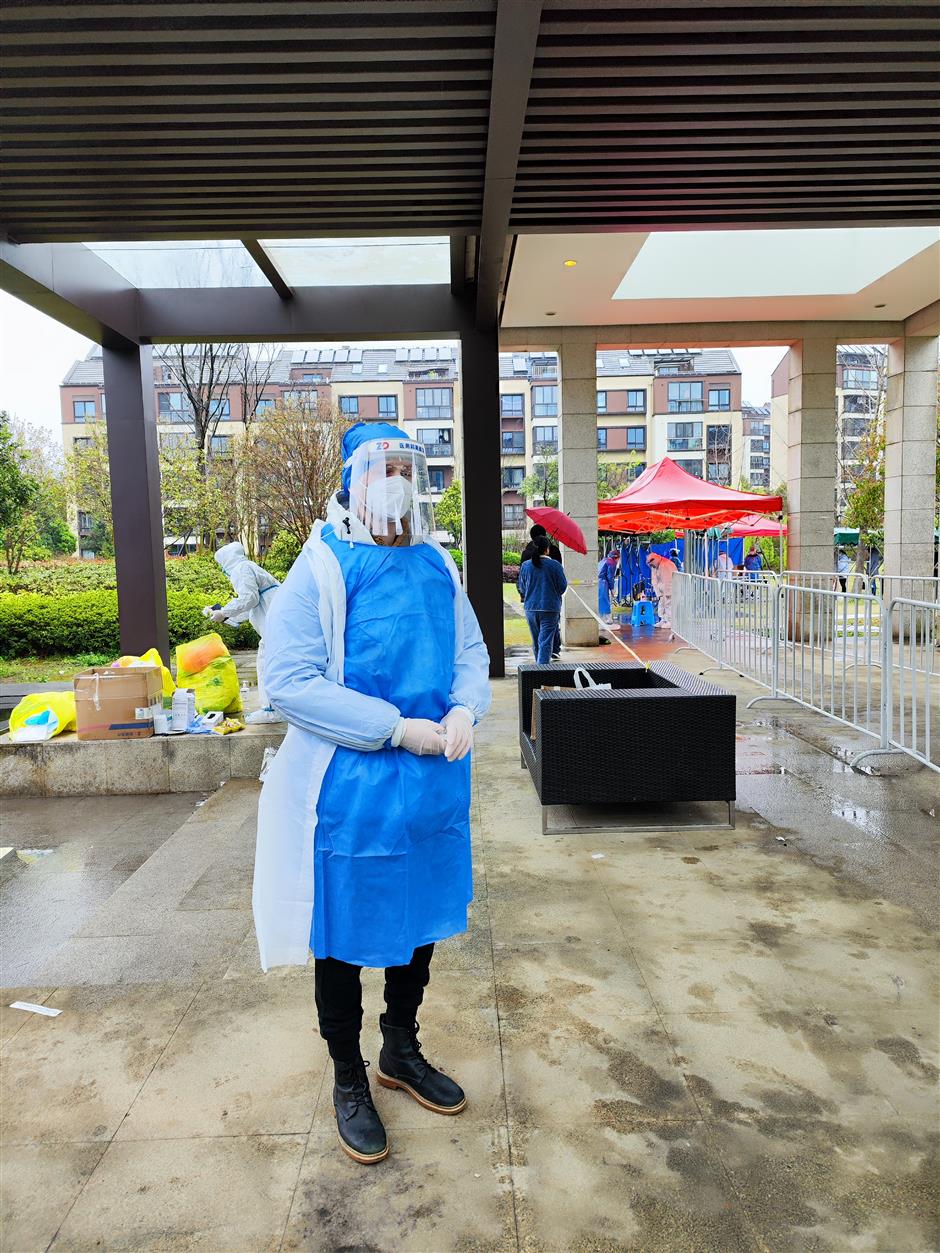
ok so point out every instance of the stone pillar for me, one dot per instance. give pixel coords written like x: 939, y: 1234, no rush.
x: 135, y: 499
x: 811, y: 455
x: 910, y: 455
x: 577, y: 476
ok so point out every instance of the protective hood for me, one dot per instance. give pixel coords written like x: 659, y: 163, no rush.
x: 230, y: 555
x: 360, y: 434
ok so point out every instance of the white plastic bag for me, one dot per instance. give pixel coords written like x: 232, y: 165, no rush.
x: 583, y: 681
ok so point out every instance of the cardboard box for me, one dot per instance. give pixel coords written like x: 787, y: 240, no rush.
x: 117, y: 704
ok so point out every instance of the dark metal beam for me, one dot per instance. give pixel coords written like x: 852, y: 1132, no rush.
x: 135, y: 499
x: 458, y: 264
x: 73, y: 285
x: 517, y: 30
x: 267, y: 267
x: 483, y: 578
x: 259, y: 315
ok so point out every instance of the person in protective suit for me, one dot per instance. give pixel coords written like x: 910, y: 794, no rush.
x: 606, y: 584
x: 376, y: 660
x: 254, y: 593
x: 661, y: 572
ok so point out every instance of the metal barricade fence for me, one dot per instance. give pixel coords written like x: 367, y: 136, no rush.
x: 869, y: 664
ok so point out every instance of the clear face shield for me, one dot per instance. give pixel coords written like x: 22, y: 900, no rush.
x: 390, y: 490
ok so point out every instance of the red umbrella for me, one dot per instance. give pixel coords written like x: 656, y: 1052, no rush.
x: 560, y: 527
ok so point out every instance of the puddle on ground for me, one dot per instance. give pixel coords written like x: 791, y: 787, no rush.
x: 33, y: 854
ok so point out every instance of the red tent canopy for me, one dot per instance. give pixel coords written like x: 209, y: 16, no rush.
x: 665, y: 496
x: 751, y: 526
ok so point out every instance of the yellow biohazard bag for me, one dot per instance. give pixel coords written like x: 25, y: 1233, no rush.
x: 41, y: 715
x: 205, y: 666
x: 150, y: 658
x: 193, y: 657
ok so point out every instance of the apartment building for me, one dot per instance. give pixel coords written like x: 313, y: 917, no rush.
x: 859, y: 402
x: 680, y: 402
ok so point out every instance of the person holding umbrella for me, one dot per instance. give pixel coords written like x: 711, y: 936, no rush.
x: 555, y: 553
x: 542, y: 583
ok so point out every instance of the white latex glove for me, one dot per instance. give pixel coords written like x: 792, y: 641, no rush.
x: 217, y: 615
x: 207, y: 612
x: 458, y: 733
x: 420, y: 736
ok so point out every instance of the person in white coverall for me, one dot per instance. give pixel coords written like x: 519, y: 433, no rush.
x: 661, y: 572
x: 254, y: 591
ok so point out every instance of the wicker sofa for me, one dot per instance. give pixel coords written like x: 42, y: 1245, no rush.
x: 660, y: 735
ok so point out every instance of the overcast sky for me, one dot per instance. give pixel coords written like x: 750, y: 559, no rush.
x: 36, y: 353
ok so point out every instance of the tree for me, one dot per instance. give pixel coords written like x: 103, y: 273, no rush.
x: 204, y: 372
x: 196, y: 494
x: 88, y: 478
x: 865, y: 507
x: 542, y: 483
x: 18, y: 492
x: 449, y: 511
x: 298, y: 463
x: 254, y: 369
x: 613, y: 477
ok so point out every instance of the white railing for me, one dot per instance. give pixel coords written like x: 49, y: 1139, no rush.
x: 866, y: 662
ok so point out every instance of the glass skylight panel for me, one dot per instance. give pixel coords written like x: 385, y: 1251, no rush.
x: 361, y: 262
x: 182, y: 263
x: 679, y: 265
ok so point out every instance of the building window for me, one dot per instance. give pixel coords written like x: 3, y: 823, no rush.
x: 601, y: 439
x: 636, y: 401
x: 388, y: 406
x: 265, y: 405
x: 220, y: 408
x: 544, y: 402
x: 311, y: 378
x: 760, y: 429
x: 220, y: 443
x: 719, y: 472
x: 176, y: 439
x: 513, y: 441
x: 512, y: 477
x: 304, y: 397
x: 634, y: 471
x: 858, y: 404
x: 719, y: 398
x: 513, y: 515
x: 760, y: 463
x: 349, y: 405
x: 512, y: 406
x: 760, y: 478
x: 719, y: 439
x: 683, y: 436
x: 691, y: 465
x: 636, y: 438
x: 437, y: 441
x: 172, y: 406
x: 85, y: 522
x: 83, y: 410
x: 601, y: 402
x: 82, y: 441
x: 545, y: 439
x: 686, y: 398
x: 436, y: 476
x: 860, y: 380
x: 434, y: 402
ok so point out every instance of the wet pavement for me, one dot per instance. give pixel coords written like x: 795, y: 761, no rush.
x: 677, y: 1041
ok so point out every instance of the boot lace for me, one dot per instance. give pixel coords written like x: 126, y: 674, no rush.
x: 355, y: 1083
x: 419, y: 1056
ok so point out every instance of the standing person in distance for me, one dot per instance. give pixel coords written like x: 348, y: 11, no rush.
x: 555, y: 553
x: 542, y: 583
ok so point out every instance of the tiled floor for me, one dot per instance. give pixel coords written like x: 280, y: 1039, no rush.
x: 679, y: 1041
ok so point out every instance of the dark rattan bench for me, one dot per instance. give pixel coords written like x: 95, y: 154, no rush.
x: 660, y: 735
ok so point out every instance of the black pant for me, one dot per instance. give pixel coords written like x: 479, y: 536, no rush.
x: 339, y: 998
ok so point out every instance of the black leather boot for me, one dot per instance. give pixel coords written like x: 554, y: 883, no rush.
x: 360, y: 1128
x: 402, y: 1066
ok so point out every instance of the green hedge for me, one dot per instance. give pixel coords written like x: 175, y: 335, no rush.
x: 32, y: 625
x: 200, y: 573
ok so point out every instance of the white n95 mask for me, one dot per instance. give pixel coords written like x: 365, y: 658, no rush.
x: 390, y: 497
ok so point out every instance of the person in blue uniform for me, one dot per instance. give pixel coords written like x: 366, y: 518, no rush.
x: 542, y: 583
x: 606, y: 585
x: 375, y: 659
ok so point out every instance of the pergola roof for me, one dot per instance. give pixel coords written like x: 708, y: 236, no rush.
x: 255, y: 124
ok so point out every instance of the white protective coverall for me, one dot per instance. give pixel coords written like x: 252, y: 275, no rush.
x: 283, y: 891
x: 661, y: 572
x: 254, y: 591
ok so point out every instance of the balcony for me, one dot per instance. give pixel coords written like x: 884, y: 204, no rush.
x: 544, y: 370
x: 438, y: 450
x: 692, y: 443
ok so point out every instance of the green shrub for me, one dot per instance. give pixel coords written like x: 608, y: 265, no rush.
x: 199, y: 573
x: 511, y: 557
x: 87, y: 622
x: 282, y: 554
x: 457, y: 555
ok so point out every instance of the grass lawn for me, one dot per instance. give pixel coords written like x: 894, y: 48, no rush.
x: 50, y: 669
x: 515, y: 629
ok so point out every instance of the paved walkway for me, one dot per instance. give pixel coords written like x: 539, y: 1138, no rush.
x: 688, y: 1041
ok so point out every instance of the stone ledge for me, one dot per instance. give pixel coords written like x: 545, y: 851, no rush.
x: 67, y: 766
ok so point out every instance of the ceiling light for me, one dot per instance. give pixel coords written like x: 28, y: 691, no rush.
x: 550, y: 313
x: 569, y: 264
x: 879, y: 306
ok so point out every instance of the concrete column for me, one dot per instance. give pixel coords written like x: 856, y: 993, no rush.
x: 577, y: 476
x: 910, y: 455
x: 135, y: 499
x: 482, y: 503
x: 811, y: 455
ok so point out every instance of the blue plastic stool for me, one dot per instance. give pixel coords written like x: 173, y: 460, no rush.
x: 643, y: 613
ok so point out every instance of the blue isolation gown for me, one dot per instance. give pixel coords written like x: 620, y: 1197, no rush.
x: 392, y: 864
